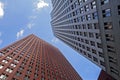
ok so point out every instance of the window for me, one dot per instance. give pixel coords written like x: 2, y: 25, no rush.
x: 1, y: 54
x: 9, y: 70
x: 97, y: 35
x: 110, y: 48
x: 94, y: 51
x: 91, y: 35
x: 5, y: 61
x: 8, y: 57
x: 101, y: 54
x: 104, y: 1
x: 93, y: 5
x: 106, y: 13
x: 95, y: 59
x: 108, y: 25
x: 18, y: 73
x: 3, y: 77
x: 113, y: 70
x: 89, y: 56
x: 16, y: 61
x: 118, y: 9
x: 13, y: 65
x: 95, y: 15
x: 109, y: 37
x: 81, y: 10
x: 112, y: 59
x: 102, y: 63
x: 99, y: 45
x: 92, y: 43
x: 1, y: 66
x: 87, y: 8
x: 83, y: 18
x: 26, y: 78
x: 88, y: 17
x: 80, y: 2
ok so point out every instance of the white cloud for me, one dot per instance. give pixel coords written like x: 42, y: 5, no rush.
x: 30, y: 25
x: 41, y: 4
x: 32, y: 17
x: 1, y: 41
x: 1, y: 9
x: 20, y: 33
x: 55, y: 40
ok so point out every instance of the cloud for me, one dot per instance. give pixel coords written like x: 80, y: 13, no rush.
x: 55, y: 40
x: 1, y: 41
x: 1, y: 9
x: 30, y: 25
x: 41, y: 4
x: 20, y: 33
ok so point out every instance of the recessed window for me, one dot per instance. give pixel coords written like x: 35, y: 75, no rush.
x: 13, y: 65
x: 5, y: 61
x: 87, y: 8
x: 104, y: 1
x: 95, y: 59
x: 102, y: 63
x: 1, y: 66
x: 108, y: 25
x: 109, y: 37
x: 95, y: 15
x: 8, y: 57
x: 18, y: 73
x: 3, y: 77
x: 1, y: 54
x: 114, y: 70
x: 106, y: 13
x: 118, y: 9
x: 93, y: 5
x: 101, y: 54
x: 92, y: 43
x: 9, y: 70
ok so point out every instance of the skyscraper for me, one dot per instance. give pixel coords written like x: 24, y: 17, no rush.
x: 34, y: 59
x: 92, y: 28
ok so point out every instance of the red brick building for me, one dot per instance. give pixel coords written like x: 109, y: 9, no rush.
x: 104, y: 76
x: 34, y: 59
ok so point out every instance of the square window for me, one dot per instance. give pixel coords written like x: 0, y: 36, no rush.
x: 106, y: 13
x: 1, y: 66
x: 9, y: 70
x: 3, y: 77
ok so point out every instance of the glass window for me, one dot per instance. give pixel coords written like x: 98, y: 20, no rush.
x: 108, y: 25
x: 5, y: 61
x: 93, y: 5
x: 1, y: 66
x: 13, y: 65
x: 106, y: 13
x: 3, y: 77
x: 118, y: 9
x: 95, y: 59
x: 104, y: 1
x: 95, y: 15
x: 9, y: 70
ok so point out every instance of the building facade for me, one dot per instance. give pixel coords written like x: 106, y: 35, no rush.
x: 92, y: 28
x: 34, y: 59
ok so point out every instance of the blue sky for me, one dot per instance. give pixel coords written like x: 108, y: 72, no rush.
x: 19, y: 18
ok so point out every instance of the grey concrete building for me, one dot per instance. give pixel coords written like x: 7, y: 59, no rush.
x: 92, y: 28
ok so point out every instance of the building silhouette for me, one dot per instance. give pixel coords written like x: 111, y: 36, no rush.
x: 92, y: 28
x: 34, y: 59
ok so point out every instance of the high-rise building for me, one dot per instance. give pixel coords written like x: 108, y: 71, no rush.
x: 92, y: 28
x: 34, y: 59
